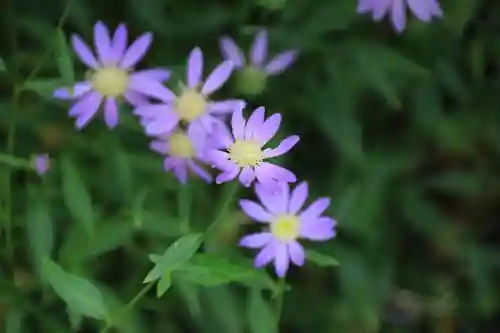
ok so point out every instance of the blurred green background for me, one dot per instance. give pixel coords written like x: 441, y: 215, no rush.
x: 401, y: 131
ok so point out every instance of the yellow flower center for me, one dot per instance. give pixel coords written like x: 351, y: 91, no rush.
x: 180, y: 145
x: 190, y: 105
x: 110, y: 81
x: 285, y: 228
x: 246, y: 153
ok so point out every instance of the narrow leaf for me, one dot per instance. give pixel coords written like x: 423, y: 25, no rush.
x: 321, y: 260
x: 260, y: 317
x: 164, y: 284
x: 75, y: 194
x: 64, y: 59
x: 81, y: 296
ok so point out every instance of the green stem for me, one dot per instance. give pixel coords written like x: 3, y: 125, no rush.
x: 130, y: 304
x: 231, y: 190
x: 279, y: 299
x: 185, y: 198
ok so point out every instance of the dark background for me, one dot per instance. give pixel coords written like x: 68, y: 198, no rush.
x: 401, y: 131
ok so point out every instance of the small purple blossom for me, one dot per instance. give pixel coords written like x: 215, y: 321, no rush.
x: 183, y: 154
x: 112, y: 76
x: 288, y: 222
x: 41, y: 163
x: 241, y: 153
x: 192, y: 105
x: 258, y: 55
x: 424, y: 10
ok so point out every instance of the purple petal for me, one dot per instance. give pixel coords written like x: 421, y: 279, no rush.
x: 197, y: 135
x: 102, y: 43
x: 217, y: 78
x: 220, y: 160
x: 155, y: 74
x: 42, y: 163
x: 194, y: 68
x: 162, y: 125
x: 254, y: 123
x: 274, y: 202
x: 111, y: 112
x: 268, y: 173
x: 256, y: 241
x: 88, y: 103
x: 258, y: 52
x: 283, y: 148
x: 227, y: 106
x: 83, y: 118
x: 280, y: 63
x: 231, y: 51
x: 202, y: 173
x: 315, y: 210
x: 266, y: 255
x: 171, y: 163
x: 269, y: 129
x: 298, y: 198
x: 247, y: 176
x: 74, y: 92
x: 421, y: 9
x: 281, y: 260
x: 153, y: 111
x: 255, y: 211
x: 135, y: 99
x: 119, y: 43
x: 238, y: 124
x: 296, y: 252
x: 159, y: 146
x: 364, y: 6
x: 181, y: 172
x: 83, y: 52
x: 227, y: 175
x: 320, y: 229
x: 136, y: 51
x: 398, y: 15
x: 149, y: 87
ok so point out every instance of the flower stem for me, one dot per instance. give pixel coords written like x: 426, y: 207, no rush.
x: 230, y: 193
x: 279, y: 299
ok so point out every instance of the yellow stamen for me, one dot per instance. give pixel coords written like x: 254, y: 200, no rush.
x: 190, y: 105
x: 246, y: 153
x: 180, y: 145
x: 285, y: 228
x: 110, y: 81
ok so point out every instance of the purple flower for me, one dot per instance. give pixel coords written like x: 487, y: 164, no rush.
x: 184, y: 154
x: 112, y: 76
x: 258, y: 55
x: 288, y: 222
x: 41, y: 163
x: 241, y: 153
x: 424, y: 10
x: 192, y: 105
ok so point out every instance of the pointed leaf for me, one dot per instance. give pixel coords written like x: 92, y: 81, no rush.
x: 64, y: 59
x: 321, y: 260
x: 78, y: 293
x: 260, y: 316
x: 164, y: 284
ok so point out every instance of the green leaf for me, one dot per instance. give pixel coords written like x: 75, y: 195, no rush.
x: 39, y: 228
x: 75, y: 194
x: 64, y: 59
x: 458, y: 183
x: 3, y: 68
x: 176, y: 255
x: 14, y: 321
x: 210, y: 270
x: 321, y: 260
x: 260, y: 316
x: 79, y: 294
x: 75, y: 318
x: 164, y: 284
x: 43, y: 87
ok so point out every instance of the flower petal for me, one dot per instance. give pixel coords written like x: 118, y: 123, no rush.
x: 298, y: 198
x: 398, y: 15
x: 268, y: 173
x: 153, y: 111
x: 258, y: 52
x: 181, y: 172
x: 269, y: 129
x: 102, y: 42
x: 217, y: 78
x: 227, y: 175
x: 150, y: 87
x: 119, y: 43
x: 320, y: 229
x: 136, y: 51
x: 83, y: 52
x: 297, y: 253
x: 88, y: 103
x: 266, y: 255
x: 281, y: 260
x: 231, y: 51
x: 254, y: 123
x: 135, y: 99
x: 171, y: 163
x: 111, y: 112
x: 155, y: 74
x: 238, y: 124
x: 283, y: 148
x: 275, y: 202
x: 227, y: 106
x: 194, y: 68
x: 281, y: 62
x: 256, y: 241
x: 421, y: 9
x: 315, y: 210
x: 159, y: 146
x: 162, y: 125
x: 202, y: 173
x: 247, y: 176
x: 255, y: 211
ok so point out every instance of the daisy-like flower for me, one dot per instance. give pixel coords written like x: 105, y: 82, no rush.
x: 253, y: 75
x: 242, y: 152
x: 424, y: 10
x: 112, y: 76
x: 192, y: 105
x: 183, y: 154
x: 288, y: 222
x: 41, y: 163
